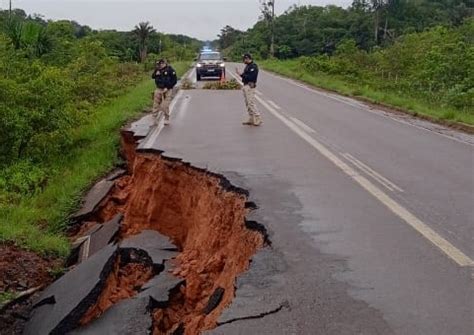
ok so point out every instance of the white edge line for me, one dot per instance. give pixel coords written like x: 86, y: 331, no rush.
x: 445, y: 246
x: 373, y: 173
x: 273, y: 104
x: 86, y: 247
x: 240, y: 81
x: 303, y: 125
x: 151, y: 138
x: 355, y: 162
x: 365, y: 108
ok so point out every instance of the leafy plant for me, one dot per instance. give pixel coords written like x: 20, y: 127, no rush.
x: 143, y: 32
x: 227, y: 85
x: 186, y: 84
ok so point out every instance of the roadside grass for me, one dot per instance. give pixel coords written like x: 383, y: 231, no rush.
x: 37, y: 223
x: 292, y: 69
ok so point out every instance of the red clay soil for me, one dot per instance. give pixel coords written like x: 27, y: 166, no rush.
x: 21, y: 270
x: 205, y: 221
x: 123, y: 283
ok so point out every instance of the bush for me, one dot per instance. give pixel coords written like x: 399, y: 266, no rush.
x: 20, y: 179
x: 435, y: 65
x: 44, y: 97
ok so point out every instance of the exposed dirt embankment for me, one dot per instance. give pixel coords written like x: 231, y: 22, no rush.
x: 203, y: 215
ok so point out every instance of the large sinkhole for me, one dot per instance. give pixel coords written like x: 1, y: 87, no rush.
x: 202, y: 214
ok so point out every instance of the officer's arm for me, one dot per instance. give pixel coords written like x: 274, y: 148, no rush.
x: 174, y: 77
x: 153, y: 75
x: 245, y: 74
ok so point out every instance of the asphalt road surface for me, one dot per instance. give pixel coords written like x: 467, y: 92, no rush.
x: 370, y: 213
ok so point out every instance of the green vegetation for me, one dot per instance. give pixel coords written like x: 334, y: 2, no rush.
x: 415, y: 55
x: 429, y: 73
x: 36, y: 221
x: 63, y: 97
x: 6, y: 297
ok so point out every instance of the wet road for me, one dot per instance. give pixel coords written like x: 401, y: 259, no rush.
x: 370, y: 214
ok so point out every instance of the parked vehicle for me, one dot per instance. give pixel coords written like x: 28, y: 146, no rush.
x: 210, y: 64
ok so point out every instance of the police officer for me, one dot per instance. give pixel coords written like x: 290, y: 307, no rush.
x: 249, y: 78
x: 165, y: 79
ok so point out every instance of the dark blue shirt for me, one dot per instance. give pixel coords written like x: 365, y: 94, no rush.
x: 165, y: 78
x: 250, y: 74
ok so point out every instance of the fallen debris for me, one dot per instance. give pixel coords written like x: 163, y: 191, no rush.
x: 227, y: 85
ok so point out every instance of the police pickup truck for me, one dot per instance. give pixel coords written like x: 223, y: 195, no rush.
x: 210, y: 64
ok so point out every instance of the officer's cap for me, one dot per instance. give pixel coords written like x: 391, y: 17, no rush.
x: 247, y: 56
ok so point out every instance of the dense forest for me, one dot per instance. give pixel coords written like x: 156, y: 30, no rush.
x: 418, y: 48
x: 314, y: 30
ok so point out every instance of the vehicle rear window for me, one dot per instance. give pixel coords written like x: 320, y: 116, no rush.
x: 210, y: 56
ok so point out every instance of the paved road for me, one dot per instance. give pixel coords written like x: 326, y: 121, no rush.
x: 370, y: 214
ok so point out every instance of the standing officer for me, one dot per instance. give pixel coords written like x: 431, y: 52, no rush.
x: 165, y: 79
x: 249, y: 78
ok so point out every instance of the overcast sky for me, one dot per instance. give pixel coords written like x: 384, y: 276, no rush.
x: 197, y: 18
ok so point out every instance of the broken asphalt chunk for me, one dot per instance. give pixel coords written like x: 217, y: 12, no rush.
x: 142, y: 127
x: 102, y: 237
x: 155, y: 244
x: 93, y: 198
x: 128, y: 317
x: 160, y: 287
x: 117, y: 173
x: 74, y: 293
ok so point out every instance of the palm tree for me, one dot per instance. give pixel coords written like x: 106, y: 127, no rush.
x: 36, y: 40
x: 14, y: 29
x: 143, y: 32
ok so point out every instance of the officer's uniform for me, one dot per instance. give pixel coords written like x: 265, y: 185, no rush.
x: 165, y: 80
x: 249, y: 79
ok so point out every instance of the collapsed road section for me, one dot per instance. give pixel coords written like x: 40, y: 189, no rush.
x: 158, y: 249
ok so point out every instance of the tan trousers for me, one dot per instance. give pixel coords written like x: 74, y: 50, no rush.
x: 162, y: 101
x: 249, y: 94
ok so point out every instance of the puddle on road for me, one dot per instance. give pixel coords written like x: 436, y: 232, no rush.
x: 204, y: 217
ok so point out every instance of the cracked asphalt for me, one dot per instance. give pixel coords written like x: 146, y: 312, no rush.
x: 369, y: 213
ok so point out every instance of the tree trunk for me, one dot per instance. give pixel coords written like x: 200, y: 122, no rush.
x: 272, y: 46
x: 376, y: 33
x: 143, y: 53
x: 272, y: 43
x: 385, y: 29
